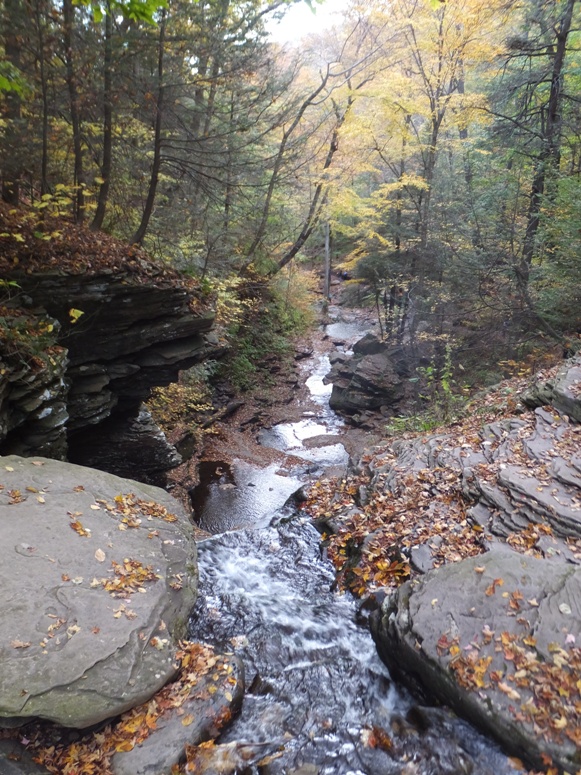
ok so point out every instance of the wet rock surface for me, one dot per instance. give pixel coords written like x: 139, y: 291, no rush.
x: 98, y: 576
x: 129, y: 446
x: 16, y: 760
x: 477, y: 649
x: 33, y: 405
x: 316, y: 691
x: 211, y: 704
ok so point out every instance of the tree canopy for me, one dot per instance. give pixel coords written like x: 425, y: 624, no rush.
x: 439, y: 141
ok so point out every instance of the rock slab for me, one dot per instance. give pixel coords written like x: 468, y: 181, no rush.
x: 464, y: 631
x: 211, y: 704
x: 98, y: 577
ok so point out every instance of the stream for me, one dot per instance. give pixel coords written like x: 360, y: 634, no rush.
x: 317, y: 694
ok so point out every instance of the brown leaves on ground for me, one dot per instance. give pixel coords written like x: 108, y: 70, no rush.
x: 132, y: 510
x: 370, y: 540
x: 129, y: 576
x: 368, y: 547
x: 409, y: 505
x: 544, y: 694
x: 92, y: 753
x: 30, y: 244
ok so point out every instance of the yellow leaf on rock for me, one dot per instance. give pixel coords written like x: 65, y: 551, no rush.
x: 125, y: 745
x: 187, y: 720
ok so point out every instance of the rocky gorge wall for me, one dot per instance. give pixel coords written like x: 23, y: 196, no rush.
x: 137, y: 330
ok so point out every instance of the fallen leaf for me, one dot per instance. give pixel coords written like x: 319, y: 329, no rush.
x: 187, y: 720
x: 508, y: 690
x: 491, y: 589
x: 100, y: 555
x: 20, y: 644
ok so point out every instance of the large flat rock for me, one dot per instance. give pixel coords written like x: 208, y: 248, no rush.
x: 98, y: 576
x: 494, y: 637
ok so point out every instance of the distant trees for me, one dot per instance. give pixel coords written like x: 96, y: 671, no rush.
x: 464, y: 142
x: 440, y: 140
x: 165, y: 130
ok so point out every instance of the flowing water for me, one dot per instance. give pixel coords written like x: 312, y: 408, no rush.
x: 316, y: 692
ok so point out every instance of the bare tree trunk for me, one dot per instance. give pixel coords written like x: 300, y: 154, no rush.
x: 550, y: 155
x: 139, y: 235
x: 276, y: 170
x: 319, y: 199
x: 40, y: 15
x: 11, y: 166
x: 327, y: 282
x: 107, y: 124
x: 71, y: 78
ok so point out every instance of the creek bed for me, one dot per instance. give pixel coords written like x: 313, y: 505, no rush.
x: 317, y: 693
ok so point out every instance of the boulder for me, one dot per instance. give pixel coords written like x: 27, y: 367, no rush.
x: 33, y: 403
x: 16, y: 760
x: 133, y: 447
x: 563, y: 391
x: 98, y: 576
x: 485, y: 519
x: 492, y: 637
x: 375, y: 376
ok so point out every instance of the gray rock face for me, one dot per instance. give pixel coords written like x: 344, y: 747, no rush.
x: 375, y: 376
x: 33, y: 404
x: 15, y: 760
x: 98, y: 577
x: 466, y: 644
x: 495, y: 636
x: 563, y: 392
x: 126, y: 445
x: 131, y: 337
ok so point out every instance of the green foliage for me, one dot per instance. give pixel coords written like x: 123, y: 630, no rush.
x: 136, y: 10
x: 446, y: 402
x: 11, y: 79
x: 186, y: 402
x: 414, y: 423
x: 261, y: 330
x: 25, y: 339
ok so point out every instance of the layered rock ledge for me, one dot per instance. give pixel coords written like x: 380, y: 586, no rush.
x: 470, y: 543
x: 108, y: 337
